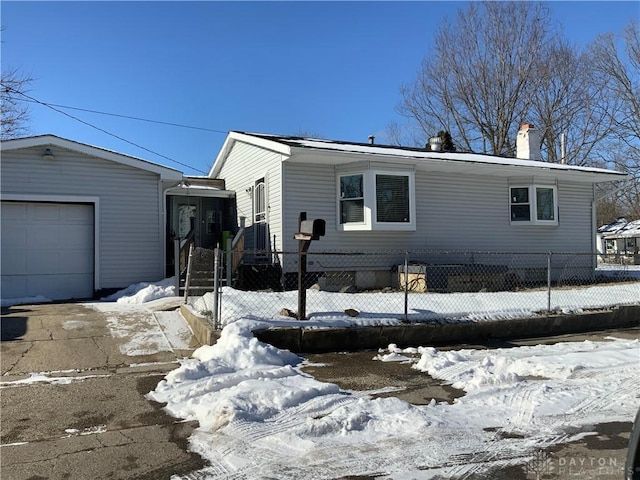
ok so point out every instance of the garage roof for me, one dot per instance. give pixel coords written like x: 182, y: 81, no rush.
x: 49, y: 140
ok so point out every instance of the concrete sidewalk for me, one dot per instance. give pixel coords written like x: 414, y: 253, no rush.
x: 73, y: 402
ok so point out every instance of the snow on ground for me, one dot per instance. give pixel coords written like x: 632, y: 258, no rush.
x: 133, y: 318
x: 326, y: 309
x: 144, y: 292
x: 261, y: 416
x: 615, y: 270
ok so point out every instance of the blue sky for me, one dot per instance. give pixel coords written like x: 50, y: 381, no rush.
x: 328, y: 68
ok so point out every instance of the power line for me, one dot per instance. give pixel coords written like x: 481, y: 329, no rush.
x: 35, y: 100
x: 131, y: 117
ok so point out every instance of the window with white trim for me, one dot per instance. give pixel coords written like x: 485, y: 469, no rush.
x: 351, y: 199
x: 533, y: 204
x: 376, y: 200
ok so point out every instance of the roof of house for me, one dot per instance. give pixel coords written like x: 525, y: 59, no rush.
x: 290, y: 145
x: 166, y: 173
x: 620, y: 228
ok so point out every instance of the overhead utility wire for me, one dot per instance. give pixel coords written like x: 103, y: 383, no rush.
x: 134, y: 118
x: 100, y: 129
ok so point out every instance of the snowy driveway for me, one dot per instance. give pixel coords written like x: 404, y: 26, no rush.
x: 261, y: 416
x: 72, y: 395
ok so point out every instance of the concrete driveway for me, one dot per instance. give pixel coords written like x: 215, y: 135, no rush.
x: 72, y: 403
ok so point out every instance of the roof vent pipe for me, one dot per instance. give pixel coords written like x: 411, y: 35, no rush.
x: 563, y: 148
x: 371, y: 139
x: 435, y: 144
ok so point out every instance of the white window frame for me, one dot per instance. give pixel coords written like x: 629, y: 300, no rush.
x: 533, y: 205
x: 370, y: 222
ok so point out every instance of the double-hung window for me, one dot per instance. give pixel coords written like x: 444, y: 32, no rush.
x: 376, y: 200
x: 351, y: 199
x: 533, y: 204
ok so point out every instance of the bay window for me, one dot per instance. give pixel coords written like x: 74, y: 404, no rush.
x: 376, y: 200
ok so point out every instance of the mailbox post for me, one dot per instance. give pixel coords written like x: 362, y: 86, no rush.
x: 308, y: 230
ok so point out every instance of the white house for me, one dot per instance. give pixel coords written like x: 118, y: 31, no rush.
x: 621, y: 238
x: 78, y: 219
x: 378, y: 197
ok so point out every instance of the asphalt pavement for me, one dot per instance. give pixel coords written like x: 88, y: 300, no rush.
x: 73, y: 405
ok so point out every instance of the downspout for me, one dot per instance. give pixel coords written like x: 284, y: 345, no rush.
x: 283, y: 213
x: 594, y: 230
x: 162, y: 224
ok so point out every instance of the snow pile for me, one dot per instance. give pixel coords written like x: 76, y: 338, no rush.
x: 541, y: 389
x: 144, y: 292
x: 240, y: 379
x: 261, y: 416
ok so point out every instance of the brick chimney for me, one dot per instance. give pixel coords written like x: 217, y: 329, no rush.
x: 528, y: 143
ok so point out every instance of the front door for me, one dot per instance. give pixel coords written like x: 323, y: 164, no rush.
x: 203, y: 215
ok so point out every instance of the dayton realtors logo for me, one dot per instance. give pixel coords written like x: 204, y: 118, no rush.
x: 543, y: 466
x: 540, y: 465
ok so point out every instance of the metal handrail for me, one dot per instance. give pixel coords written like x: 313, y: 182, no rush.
x: 181, y: 256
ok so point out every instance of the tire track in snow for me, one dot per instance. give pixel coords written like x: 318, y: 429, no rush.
x: 606, y: 396
x: 240, y: 437
x: 251, y: 431
x: 524, y: 406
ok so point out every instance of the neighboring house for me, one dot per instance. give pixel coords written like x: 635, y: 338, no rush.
x: 78, y: 220
x: 377, y: 197
x: 620, y: 237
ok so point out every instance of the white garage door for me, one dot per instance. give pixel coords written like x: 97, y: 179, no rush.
x: 47, y: 249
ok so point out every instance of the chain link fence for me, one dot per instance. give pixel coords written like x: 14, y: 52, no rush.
x: 427, y: 285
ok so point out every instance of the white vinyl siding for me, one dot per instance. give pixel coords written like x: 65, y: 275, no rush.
x: 313, y: 188
x: 130, y: 225
x: 453, y: 212
x: 245, y: 165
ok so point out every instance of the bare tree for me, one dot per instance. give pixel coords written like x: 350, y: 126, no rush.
x: 479, y: 82
x: 14, y: 112
x: 570, y: 105
x: 618, y: 71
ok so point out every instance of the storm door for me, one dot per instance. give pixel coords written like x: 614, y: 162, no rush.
x: 261, y: 239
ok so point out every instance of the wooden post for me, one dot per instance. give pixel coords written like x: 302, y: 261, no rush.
x: 303, y: 247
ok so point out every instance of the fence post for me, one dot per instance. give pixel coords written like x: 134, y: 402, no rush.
x: 228, y: 258
x: 216, y: 285
x: 406, y: 286
x: 549, y: 283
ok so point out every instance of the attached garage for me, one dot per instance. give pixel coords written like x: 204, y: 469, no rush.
x: 79, y: 221
x: 47, y: 249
